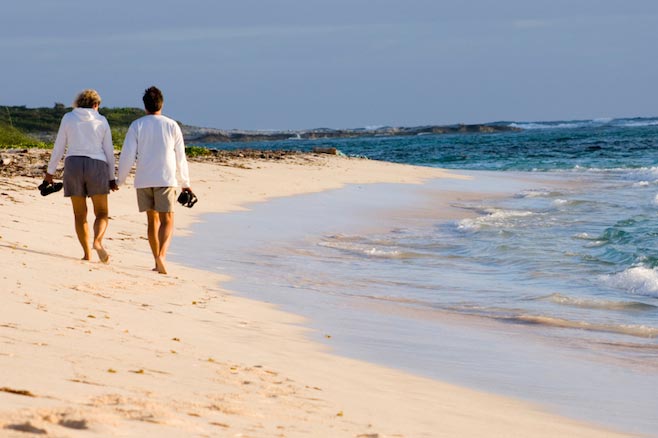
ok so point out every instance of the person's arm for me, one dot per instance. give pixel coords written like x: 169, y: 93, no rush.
x: 58, y: 151
x: 181, y: 160
x: 128, y: 154
x: 108, y: 149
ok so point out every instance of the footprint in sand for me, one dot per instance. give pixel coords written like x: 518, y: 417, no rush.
x: 74, y: 424
x: 26, y: 427
x: 103, y: 255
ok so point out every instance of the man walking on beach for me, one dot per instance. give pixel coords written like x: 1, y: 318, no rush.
x: 156, y: 143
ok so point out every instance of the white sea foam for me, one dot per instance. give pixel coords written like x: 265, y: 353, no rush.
x: 639, y: 124
x: 535, y: 193
x: 602, y: 121
x: 380, y: 252
x: 642, y: 174
x: 562, y: 125
x: 641, y: 184
x: 494, y: 218
x: 365, y: 250
x: 533, y: 125
x: 637, y: 280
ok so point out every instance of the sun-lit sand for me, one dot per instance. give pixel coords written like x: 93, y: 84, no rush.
x: 94, y: 349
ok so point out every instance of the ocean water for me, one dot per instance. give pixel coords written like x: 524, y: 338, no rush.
x: 546, y: 289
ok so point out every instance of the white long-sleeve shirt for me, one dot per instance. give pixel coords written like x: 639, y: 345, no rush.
x: 83, y: 132
x: 156, y: 143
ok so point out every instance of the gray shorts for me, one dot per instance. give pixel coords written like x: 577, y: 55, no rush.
x: 160, y: 199
x: 84, y: 176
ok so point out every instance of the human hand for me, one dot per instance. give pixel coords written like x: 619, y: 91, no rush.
x: 113, y: 185
x: 187, y: 198
x: 48, y: 178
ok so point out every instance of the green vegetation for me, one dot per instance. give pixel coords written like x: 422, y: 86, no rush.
x: 119, y: 120
x: 121, y: 116
x: 197, y: 151
x: 32, y: 120
x: 11, y: 137
x: 46, y: 120
x: 118, y: 135
x: 22, y: 126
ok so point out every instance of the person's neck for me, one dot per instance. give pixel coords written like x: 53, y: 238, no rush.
x: 157, y: 113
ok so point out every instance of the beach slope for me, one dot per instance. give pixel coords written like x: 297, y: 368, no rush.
x: 89, y: 349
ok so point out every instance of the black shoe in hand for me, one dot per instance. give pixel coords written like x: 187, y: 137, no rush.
x: 187, y: 198
x: 47, y: 188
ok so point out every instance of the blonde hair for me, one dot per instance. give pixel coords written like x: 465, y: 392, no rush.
x: 87, y: 99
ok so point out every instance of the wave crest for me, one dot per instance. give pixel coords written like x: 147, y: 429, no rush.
x: 368, y: 250
x: 495, y: 219
x: 637, y: 280
x: 641, y: 331
x: 602, y: 304
x: 593, y: 123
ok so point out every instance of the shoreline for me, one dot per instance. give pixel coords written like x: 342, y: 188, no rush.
x: 117, y: 349
x: 311, y: 265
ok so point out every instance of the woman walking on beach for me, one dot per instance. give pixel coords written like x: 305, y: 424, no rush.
x: 84, y: 135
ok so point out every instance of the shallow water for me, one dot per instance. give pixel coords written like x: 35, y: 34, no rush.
x: 547, y: 294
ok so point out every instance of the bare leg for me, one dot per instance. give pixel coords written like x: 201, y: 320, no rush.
x: 160, y: 230
x: 153, y: 221
x: 79, y: 204
x: 100, y: 225
x: 165, y: 232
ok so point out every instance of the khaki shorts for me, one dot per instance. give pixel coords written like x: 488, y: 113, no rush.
x: 160, y: 199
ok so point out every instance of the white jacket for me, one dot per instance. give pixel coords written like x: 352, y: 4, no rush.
x: 83, y: 132
x: 156, y: 142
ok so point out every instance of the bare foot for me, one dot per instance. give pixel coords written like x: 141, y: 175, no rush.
x: 102, y: 254
x: 159, y: 264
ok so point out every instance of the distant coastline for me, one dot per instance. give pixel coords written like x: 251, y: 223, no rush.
x: 37, y: 127
x: 209, y: 135
x: 41, y: 125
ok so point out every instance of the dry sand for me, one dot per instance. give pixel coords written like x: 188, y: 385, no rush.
x: 88, y: 349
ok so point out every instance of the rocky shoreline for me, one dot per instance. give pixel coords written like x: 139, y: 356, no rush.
x: 32, y: 162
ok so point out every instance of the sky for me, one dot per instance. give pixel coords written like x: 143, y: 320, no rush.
x: 301, y: 64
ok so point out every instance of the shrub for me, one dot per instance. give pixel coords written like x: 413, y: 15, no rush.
x: 11, y: 137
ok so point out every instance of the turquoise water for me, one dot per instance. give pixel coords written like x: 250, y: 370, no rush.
x: 545, y: 146
x: 548, y: 293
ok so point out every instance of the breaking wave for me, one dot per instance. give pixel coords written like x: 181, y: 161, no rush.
x: 637, y: 280
x: 495, y: 218
x: 575, y: 124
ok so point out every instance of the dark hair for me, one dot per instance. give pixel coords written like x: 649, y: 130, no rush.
x: 153, y: 99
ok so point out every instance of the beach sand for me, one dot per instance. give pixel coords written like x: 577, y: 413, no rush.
x: 89, y: 349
